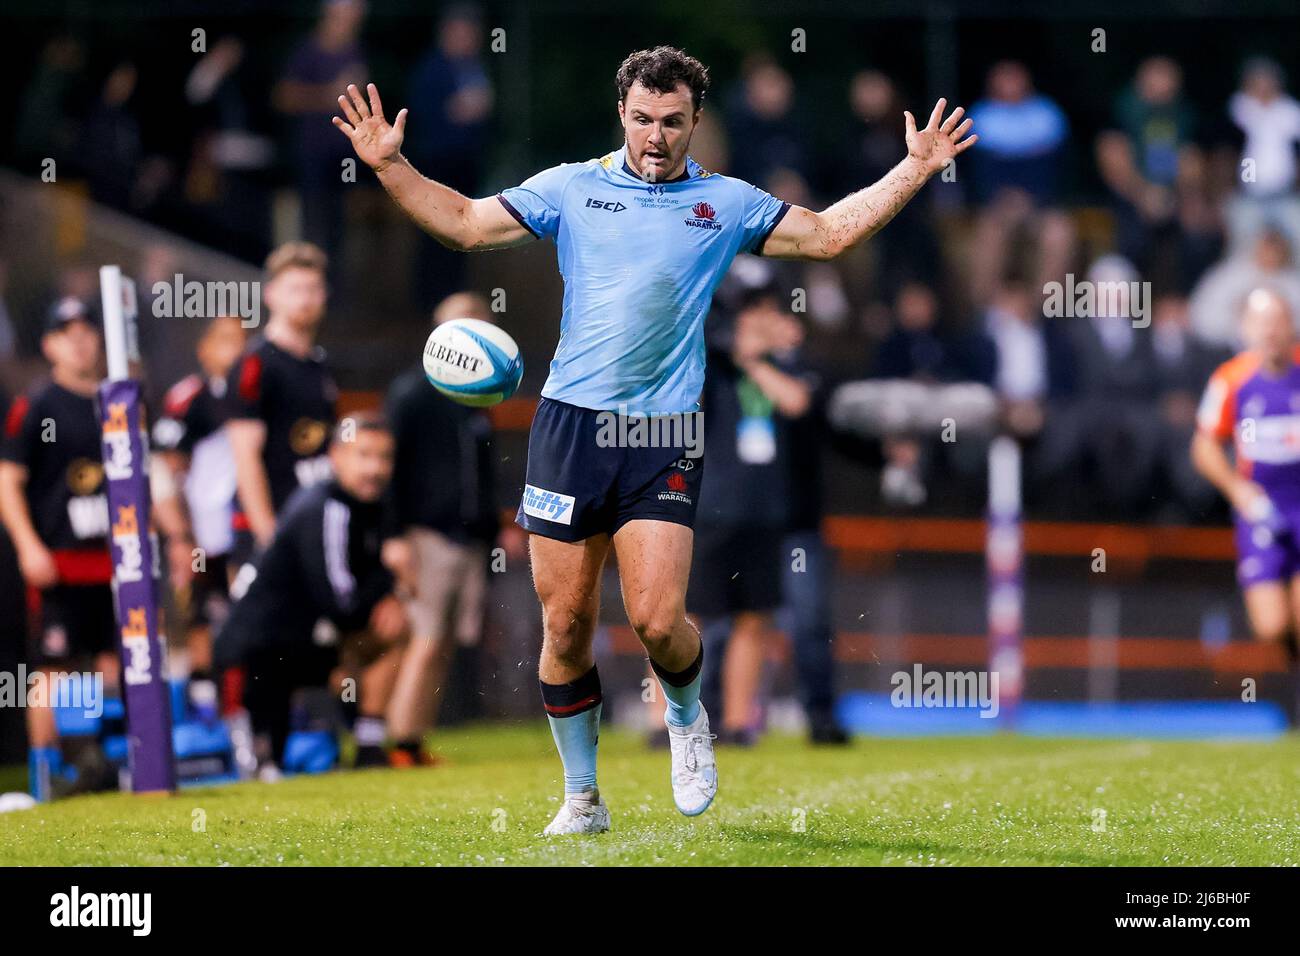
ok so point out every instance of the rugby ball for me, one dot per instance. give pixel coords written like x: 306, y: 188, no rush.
x: 473, y: 362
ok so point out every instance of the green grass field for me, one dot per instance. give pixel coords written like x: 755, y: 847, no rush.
x: 1004, y: 800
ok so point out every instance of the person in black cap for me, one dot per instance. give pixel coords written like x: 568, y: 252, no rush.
x: 54, y: 505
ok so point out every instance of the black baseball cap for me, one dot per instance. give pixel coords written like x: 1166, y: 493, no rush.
x: 68, y: 309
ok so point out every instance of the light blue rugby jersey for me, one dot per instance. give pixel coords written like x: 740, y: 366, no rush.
x: 640, y: 263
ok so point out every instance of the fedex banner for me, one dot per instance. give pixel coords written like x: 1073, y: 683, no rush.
x: 134, y: 554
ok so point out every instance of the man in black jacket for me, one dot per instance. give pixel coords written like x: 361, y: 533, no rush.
x: 444, y: 493
x: 322, y: 596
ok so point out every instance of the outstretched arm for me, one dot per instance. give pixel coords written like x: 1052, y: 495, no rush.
x: 804, y: 234
x: 456, y: 221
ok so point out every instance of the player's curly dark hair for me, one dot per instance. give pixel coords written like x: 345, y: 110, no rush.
x: 660, y: 70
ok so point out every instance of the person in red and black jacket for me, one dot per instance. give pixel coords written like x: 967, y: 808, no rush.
x: 194, y: 501
x: 54, y: 505
x: 281, y: 399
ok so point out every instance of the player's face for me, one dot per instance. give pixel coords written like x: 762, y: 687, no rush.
x: 1267, y: 328
x: 297, y: 296
x: 74, y: 349
x: 364, y: 466
x: 658, y: 128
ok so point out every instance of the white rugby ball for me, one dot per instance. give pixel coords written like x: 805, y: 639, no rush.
x: 473, y: 362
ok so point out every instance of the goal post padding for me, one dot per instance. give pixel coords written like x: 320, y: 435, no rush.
x: 133, y: 547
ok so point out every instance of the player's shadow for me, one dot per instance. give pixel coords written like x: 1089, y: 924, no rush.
x: 849, y: 844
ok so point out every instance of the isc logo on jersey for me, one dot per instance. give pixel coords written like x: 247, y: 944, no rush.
x: 473, y: 362
x: 548, y: 505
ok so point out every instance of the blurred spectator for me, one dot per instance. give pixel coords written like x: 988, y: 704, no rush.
x: 1032, y: 357
x: 47, y: 126
x: 924, y: 386
x: 1149, y: 164
x: 808, y: 573
x: 763, y: 125
x: 873, y: 147
x: 1157, y: 119
x: 1114, y: 427
x: 1015, y: 176
x: 227, y: 174
x: 1182, y: 365
x: 1034, y: 382
x: 112, y: 136
x: 1270, y: 120
x: 451, y: 99
x: 751, y: 393
x: 1199, y: 208
x: 807, y: 566
x: 448, y: 513
x: 914, y: 349
x: 1217, y: 299
x: 1022, y: 138
x: 318, y: 72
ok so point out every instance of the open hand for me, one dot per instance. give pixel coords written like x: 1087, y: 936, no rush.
x: 376, y: 141
x: 941, y: 140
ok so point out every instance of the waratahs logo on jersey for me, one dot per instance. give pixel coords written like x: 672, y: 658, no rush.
x: 703, y: 216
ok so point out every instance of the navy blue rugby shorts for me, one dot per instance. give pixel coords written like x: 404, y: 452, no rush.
x: 587, y: 475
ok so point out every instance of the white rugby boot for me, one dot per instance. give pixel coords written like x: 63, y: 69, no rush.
x: 580, y: 813
x: 695, y: 771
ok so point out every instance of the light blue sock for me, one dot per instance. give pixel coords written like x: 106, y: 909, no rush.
x: 576, y: 738
x: 573, y: 710
x: 682, y: 691
x: 683, y: 702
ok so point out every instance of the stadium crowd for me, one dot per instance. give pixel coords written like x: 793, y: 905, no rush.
x: 1198, y: 200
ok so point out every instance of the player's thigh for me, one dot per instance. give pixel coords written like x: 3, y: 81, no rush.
x: 1268, y: 606
x: 654, y: 568
x: 566, y: 576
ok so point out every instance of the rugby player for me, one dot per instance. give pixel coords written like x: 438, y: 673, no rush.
x: 321, y: 596
x: 195, y: 451
x: 55, y: 507
x: 280, y: 398
x: 1251, y: 400
x: 644, y: 235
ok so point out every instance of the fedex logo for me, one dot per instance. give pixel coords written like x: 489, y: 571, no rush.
x: 126, y: 535
x: 117, y: 443
x: 135, y: 645
x: 548, y: 505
